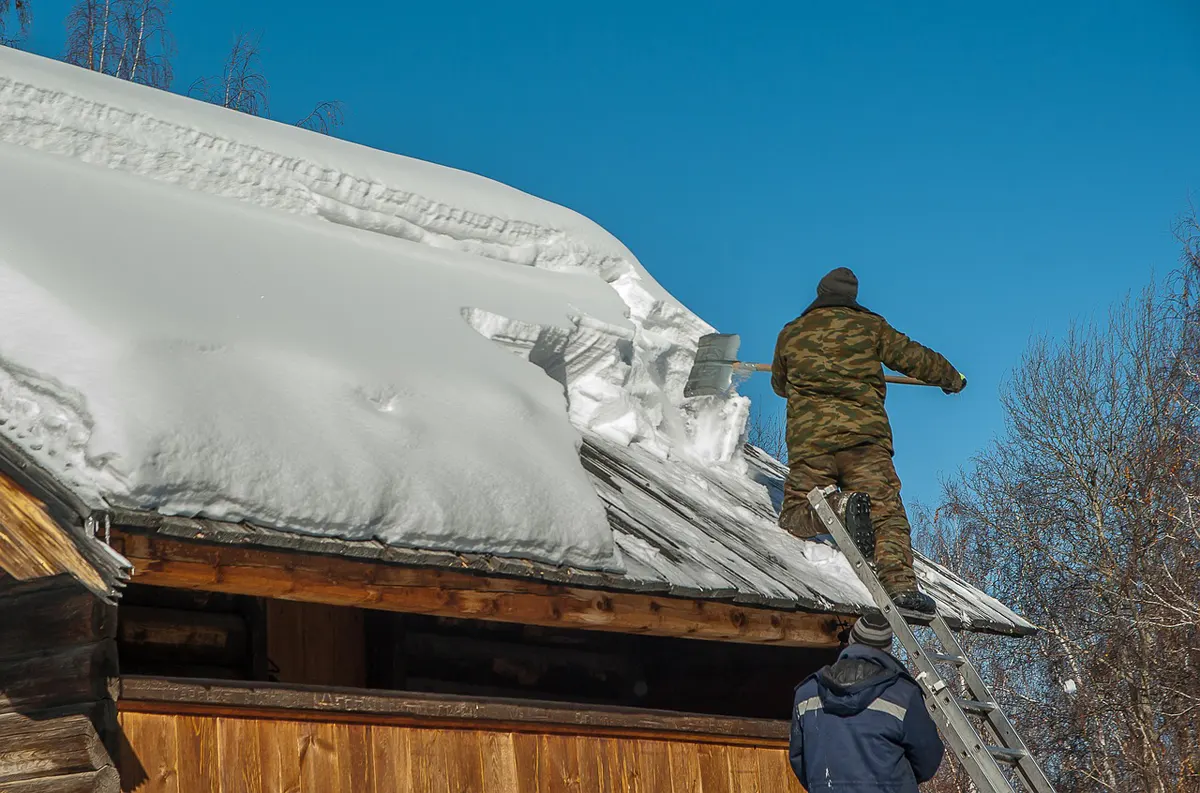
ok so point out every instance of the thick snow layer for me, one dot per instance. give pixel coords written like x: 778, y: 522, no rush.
x: 201, y: 357
x: 210, y: 314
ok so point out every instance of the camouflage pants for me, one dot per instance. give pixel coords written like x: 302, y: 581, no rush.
x: 863, y: 469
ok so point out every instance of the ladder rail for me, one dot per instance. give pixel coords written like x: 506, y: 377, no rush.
x: 940, y: 699
x: 996, y: 720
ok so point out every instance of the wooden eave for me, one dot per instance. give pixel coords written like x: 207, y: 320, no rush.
x: 45, y: 529
x: 294, y: 575
x: 181, y: 540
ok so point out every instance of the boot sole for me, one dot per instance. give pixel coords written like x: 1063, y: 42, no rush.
x: 911, y: 612
x: 858, y: 524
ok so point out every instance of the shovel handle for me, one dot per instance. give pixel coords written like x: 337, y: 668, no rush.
x: 891, y: 378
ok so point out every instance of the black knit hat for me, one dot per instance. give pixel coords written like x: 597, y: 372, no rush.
x: 872, y: 630
x: 838, y: 289
x: 841, y: 282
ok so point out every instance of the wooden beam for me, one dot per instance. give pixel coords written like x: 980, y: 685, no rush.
x: 319, y: 703
x: 192, y: 636
x: 168, y: 562
x: 106, y: 780
x: 84, y: 673
x: 33, y: 545
x: 42, y: 620
x: 51, y: 743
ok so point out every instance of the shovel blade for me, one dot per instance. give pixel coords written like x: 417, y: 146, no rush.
x: 712, y: 372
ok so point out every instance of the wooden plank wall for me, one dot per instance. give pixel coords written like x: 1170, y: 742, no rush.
x: 173, y: 753
x: 316, y: 644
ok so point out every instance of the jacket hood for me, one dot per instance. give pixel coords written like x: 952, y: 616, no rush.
x: 857, y: 679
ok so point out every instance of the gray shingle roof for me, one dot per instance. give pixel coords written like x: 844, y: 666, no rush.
x: 721, y: 545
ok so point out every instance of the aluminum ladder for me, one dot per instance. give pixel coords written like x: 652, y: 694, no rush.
x: 981, y: 755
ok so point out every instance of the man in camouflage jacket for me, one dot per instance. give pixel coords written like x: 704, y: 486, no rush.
x: 829, y: 366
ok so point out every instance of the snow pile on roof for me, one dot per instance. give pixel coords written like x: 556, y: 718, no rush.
x: 209, y: 314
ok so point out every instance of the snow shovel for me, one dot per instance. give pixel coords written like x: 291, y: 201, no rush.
x: 716, y: 364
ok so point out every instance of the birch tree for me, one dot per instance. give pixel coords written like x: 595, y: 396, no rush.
x: 128, y: 39
x: 243, y: 87
x: 18, y: 9
x: 1085, y: 516
x: 147, y: 45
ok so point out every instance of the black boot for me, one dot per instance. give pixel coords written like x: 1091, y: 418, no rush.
x: 913, y: 600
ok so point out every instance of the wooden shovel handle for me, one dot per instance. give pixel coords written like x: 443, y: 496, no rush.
x: 891, y: 378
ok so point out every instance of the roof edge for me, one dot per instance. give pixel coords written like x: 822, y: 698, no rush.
x: 78, y: 523
x: 256, y: 537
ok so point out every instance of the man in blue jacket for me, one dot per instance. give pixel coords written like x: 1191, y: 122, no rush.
x: 860, y: 725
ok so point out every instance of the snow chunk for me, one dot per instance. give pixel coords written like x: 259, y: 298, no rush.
x: 716, y: 427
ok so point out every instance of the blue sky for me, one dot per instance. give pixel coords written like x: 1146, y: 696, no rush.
x: 990, y: 170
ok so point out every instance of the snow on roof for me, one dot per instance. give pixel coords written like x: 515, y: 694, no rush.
x: 210, y: 315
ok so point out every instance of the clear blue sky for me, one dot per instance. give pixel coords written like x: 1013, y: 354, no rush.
x: 990, y: 170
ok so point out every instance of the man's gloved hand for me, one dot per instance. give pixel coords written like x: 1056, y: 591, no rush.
x: 961, y: 385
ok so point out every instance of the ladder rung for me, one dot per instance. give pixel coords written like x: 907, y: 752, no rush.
x: 1006, y: 755
x: 983, y: 773
x: 942, y: 658
x: 975, y: 706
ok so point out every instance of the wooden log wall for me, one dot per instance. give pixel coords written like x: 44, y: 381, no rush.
x: 58, y: 684
x: 190, y: 739
x: 414, y: 652
x: 181, y: 633
x: 189, y: 634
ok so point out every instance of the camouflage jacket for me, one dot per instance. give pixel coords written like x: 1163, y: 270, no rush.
x: 829, y: 366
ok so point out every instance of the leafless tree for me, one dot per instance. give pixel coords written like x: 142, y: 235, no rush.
x: 90, y: 36
x: 147, y: 44
x: 324, y: 118
x: 1085, y: 517
x: 128, y: 39
x: 241, y: 85
x: 19, y: 8
x: 1000, y: 660
x: 768, y: 431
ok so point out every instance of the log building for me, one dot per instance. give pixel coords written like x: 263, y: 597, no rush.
x: 151, y: 653
x: 186, y: 276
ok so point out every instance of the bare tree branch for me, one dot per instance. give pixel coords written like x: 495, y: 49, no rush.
x: 324, y: 118
x: 148, y: 45
x: 768, y: 432
x: 1085, y: 517
x: 24, y: 18
x: 128, y: 39
x: 241, y: 86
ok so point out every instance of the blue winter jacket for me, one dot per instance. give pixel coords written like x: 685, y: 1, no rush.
x: 860, y: 726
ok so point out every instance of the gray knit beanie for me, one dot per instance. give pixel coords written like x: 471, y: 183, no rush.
x: 872, y: 630
x: 841, y: 282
